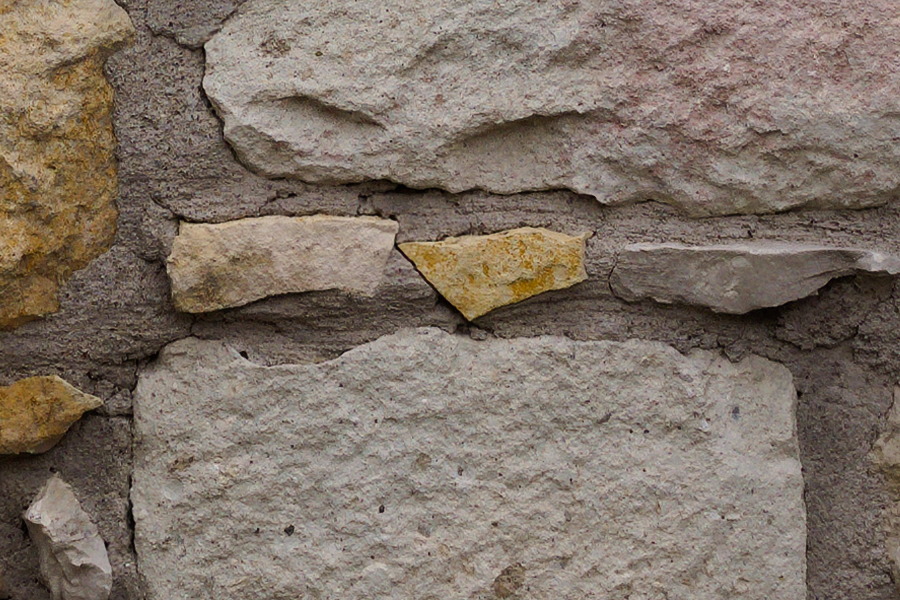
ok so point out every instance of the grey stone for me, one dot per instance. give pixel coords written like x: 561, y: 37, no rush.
x: 215, y: 266
x: 73, y: 558
x: 428, y: 465
x: 753, y: 108
x: 737, y: 278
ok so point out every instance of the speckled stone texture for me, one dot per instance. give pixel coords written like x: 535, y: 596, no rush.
x: 428, y: 465
x: 718, y: 108
x: 58, y: 181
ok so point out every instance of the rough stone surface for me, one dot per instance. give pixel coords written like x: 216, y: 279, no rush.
x: 729, y: 108
x: 477, y: 274
x: 175, y: 165
x: 73, y: 558
x: 57, y: 163
x: 232, y: 264
x: 427, y: 465
x: 36, y: 412
x: 737, y: 278
x: 886, y: 456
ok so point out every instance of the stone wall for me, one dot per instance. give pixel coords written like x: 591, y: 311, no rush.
x: 449, y: 299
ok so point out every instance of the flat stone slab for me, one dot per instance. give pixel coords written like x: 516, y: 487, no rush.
x: 215, y: 266
x: 478, y: 273
x: 745, y: 108
x: 428, y: 465
x: 738, y: 278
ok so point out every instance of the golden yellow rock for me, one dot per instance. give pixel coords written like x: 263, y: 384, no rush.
x: 478, y: 273
x: 36, y: 412
x: 57, y: 149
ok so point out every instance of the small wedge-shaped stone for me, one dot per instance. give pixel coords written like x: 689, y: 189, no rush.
x: 36, y: 412
x: 74, y: 562
x: 478, y: 273
x: 737, y: 278
x: 235, y: 263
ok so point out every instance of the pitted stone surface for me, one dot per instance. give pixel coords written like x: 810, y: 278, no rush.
x: 36, y: 412
x: 478, y: 273
x: 57, y: 148
x: 232, y: 264
x: 74, y: 562
x: 722, y: 108
x: 428, y: 465
x: 738, y: 278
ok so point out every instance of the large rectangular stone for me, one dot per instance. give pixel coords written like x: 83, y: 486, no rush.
x: 431, y: 466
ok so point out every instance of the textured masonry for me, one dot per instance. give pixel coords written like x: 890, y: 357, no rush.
x: 222, y: 221
x: 428, y: 465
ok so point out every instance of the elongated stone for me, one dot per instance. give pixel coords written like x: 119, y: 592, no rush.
x: 478, y: 273
x: 429, y: 465
x: 36, y: 412
x: 738, y: 278
x: 74, y: 562
x: 232, y: 264
x: 58, y: 181
x: 747, y: 107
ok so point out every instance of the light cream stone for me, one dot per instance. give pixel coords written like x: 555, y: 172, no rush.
x: 74, y: 562
x: 36, y: 412
x: 57, y: 149
x: 235, y: 263
x: 738, y: 278
x: 753, y: 107
x: 427, y: 465
x: 478, y: 273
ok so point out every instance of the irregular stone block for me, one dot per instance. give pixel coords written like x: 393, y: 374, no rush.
x: 57, y: 149
x: 74, y: 563
x: 478, y: 273
x: 737, y: 278
x: 749, y: 108
x: 232, y: 264
x: 429, y: 465
x: 36, y: 412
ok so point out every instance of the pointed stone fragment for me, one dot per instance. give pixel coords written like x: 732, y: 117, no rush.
x: 36, y: 412
x: 74, y: 562
x: 737, y: 278
x: 478, y: 273
x: 215, y: 266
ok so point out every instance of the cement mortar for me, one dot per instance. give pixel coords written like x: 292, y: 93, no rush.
x: 841, y: 345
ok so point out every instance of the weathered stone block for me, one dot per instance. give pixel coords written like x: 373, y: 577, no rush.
x: 734, y: 107
x: 57, y: 149
x: 428, y: 465
x: 478, y: 273
x: 737, y: 278
x: 232, y: 264
x: 74, y: 563
x: 36, y: 412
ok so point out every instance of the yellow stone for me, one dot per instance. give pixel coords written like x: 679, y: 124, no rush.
x: 36, y: 412
x: 478, y: 273
x: 58, y: 180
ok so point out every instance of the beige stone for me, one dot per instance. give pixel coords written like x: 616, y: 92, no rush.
x: 741, y: 277
x: 57, y: 149
x: 215, y: 266
x: 36, y: 412
x: 430, y: 466
x: 73, y: 557
x: 478, y: 273
x: 716, y: 108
